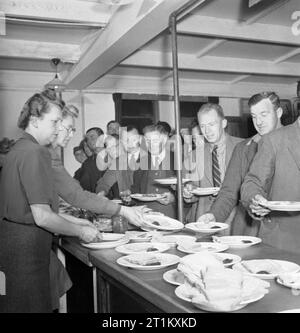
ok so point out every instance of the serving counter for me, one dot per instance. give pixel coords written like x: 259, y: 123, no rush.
x: 121, y: 289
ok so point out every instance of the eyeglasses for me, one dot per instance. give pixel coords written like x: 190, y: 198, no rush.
x: 69, y: 130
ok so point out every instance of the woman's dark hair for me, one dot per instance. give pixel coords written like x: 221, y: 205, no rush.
x: 165, y: 125
x: 37, y: 106
x: 98, y: 130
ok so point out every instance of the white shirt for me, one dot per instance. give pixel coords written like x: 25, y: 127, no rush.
x: 159, y: 157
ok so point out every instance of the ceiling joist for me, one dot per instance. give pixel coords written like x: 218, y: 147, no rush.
x: 57, y: 10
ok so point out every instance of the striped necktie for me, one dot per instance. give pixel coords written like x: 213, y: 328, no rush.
x: 216, y: 173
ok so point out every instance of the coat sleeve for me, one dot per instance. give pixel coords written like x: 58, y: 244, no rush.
x: 69, y: 190
x: 228, y: 196
x: 261, y: 172
x: 106, y: 182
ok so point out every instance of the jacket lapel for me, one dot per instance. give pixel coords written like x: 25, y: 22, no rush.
x: 229, y: 149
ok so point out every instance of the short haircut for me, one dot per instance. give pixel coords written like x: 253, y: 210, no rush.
x: 111, y: 122
x: 212, y: 106
x: 96, y: 129
x: 155, y: 128
x: 37, y: 106
x: 165, y: 125
x: 272, y: 96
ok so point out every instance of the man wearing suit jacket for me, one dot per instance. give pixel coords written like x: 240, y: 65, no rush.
x: 266, y: 113
x: 275, y: 175
x: 158, y: 162
x: 212, y: 124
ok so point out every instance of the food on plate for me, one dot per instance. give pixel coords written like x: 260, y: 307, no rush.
x: 245, y: 241
x: 292, y: 279
x: 266, y: 266
x: 227, y: 261
x: 215, y: 227
x: 210, y: 284
x: 149, y: 261
x: 152, y: 249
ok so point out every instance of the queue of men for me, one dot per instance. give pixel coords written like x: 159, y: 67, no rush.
x: 248, y: 171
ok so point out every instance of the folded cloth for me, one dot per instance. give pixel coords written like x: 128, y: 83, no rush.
x: 260, y: 266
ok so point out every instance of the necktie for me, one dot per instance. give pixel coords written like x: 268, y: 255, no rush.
x: 216, y: 173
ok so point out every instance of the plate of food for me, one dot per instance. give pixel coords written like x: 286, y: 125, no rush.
x: 289, y: 206
x: 266, y: 268
x: 174, y: 277
x: 173, y: 240
x: 109, y: 241
x: 228, y: 259
x: 170, y: 180
x: 237, y: 242
x: 139, y: 236
x: 142, y: 247
x: 148, y: 261
x: 201, y: 246
x: 206, y: 228
x: 251, y: 291
x: 147, y: 197
x: 162, y: 222
x: 199, y: 191
x: 290, y: 280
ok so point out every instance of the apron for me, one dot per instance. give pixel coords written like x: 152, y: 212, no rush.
x: 24, y: 259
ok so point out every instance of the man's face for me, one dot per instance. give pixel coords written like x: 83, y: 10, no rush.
x: 91, y: 139
x: 80, y: 156
x: 48, y: 125
x: 66, y: 131
x: 112, y: 147
x: 211, y: 125
x: 264, y: 118
x: 155, y: 142
x: 113, y: 128
x: 131, y: 141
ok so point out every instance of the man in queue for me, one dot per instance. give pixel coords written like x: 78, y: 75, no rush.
x: 266, y: 115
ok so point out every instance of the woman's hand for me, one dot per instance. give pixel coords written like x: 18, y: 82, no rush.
x: 89, y: 234
x: 134, y: 214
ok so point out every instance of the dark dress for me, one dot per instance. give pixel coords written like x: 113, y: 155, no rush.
x: 24, y: 247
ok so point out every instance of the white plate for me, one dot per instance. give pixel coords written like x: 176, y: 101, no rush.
x: 237, y: 242
x: 290, y: 206
x: 202, y: 246
x: 292, y: 282
x: 206, y: 228
x: 146, y: 197
x: 174, y: 277
x: 232, y: 258
x: 142, y: 248
x: 139, y: 236
x: 170, y: 181
x: 117, y: 201
x: 116, y: 2
x: 205, y: 190
x: 106, y: 244
x: 291, y: 311
x: 165, y: 223
x: 287, y: 267
x: 174, y: 240
x: 164, y: 258
x: 183, y: 293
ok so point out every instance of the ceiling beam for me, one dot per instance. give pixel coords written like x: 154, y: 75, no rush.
x: 239, y: 78
x: 154, y: 59
x: 39, y: 50
x: 224, y: 28
x: 212, y: 46
x: 57, y: 10
x: 287, y: 56
x: 129, y: 29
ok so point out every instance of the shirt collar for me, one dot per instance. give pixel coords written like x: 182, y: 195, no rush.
x: 221, y: 145
x: 29, y: 137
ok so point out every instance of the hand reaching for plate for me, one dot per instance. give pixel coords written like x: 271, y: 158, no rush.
x: 134, y: 214
x: 257, y: 206
x: 206, y: 218
x: 167, y: 198
x: 89, y: 234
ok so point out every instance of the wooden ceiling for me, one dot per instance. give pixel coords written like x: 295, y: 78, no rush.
x: 120, y: 48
